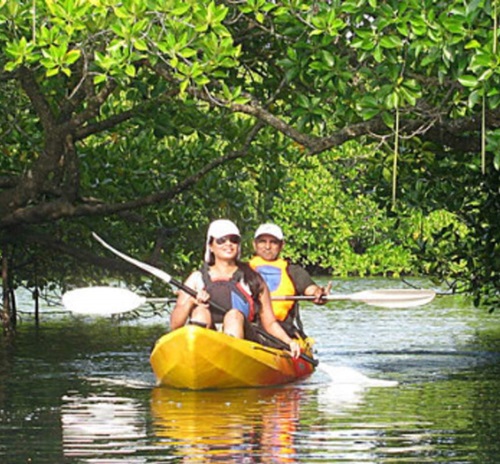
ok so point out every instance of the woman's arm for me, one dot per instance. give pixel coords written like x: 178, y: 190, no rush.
x: 185, y: 302
x: 272, y: 326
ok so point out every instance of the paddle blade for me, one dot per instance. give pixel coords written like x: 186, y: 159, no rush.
x: 395, y: 298
x: 101, y: 300
x: 390, y: 298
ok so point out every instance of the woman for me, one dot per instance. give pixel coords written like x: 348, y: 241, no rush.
x: 230, y: 284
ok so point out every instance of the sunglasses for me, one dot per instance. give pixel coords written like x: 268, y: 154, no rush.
x: 231, y: 238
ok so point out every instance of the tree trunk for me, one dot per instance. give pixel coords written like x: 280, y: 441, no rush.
x: 8, y: 326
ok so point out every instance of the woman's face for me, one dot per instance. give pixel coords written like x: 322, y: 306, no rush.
x: 226, y: 247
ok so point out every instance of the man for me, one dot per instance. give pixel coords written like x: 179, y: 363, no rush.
x: 283, y: 278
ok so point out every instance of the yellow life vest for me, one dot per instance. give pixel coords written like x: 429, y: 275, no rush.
x: 279, y: 282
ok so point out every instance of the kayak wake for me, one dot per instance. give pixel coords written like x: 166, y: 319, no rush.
x: 342, y: 375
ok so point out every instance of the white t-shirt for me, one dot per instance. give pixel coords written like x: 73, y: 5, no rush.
x: 195, y: 281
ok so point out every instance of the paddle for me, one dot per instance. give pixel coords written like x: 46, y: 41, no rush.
x: 105, y: 300
x: 113, y: 300
x: 162, y: 275
x: 390, y: 298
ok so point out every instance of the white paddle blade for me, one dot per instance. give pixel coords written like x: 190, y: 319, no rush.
x: 395, y: 298
x: 391, y: 298
x: 101, y: 301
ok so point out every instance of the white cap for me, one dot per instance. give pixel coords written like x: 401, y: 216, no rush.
x: 217, y: 229
x: 269, y: 229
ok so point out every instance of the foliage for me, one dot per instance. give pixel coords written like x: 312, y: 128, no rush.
x: 469, y: 261
x: 332, y: 223
x: 147, y: 119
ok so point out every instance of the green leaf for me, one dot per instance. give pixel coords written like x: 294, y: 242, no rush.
x: 328, y: 58
x: 468, y: 80
x: 140, y: 44
x: 392, y: 100
x: 100, y: 78
x: 391, y: 41
x: 496, y: 160
x: 52, y: 72
x: 181, y: 9
x: 472, y: 44
x: 130, y: 70
x: 409, y: 95
x: 378, y: 54
x: 72, y: 56
x: 187, y: 52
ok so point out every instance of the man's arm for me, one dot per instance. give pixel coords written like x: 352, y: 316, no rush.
x: 305, y: 284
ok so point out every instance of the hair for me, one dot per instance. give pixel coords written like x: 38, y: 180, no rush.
x: 211, y: 259
x: 252, y: 278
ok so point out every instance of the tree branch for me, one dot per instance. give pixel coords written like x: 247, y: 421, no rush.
x: 61, y: 208
x: 40, y: 104
x: 79, y: 254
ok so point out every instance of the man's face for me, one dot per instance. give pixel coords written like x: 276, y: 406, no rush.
x: 267, y: 247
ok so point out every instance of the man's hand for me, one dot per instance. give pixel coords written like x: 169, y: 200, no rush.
x: 319, y: 294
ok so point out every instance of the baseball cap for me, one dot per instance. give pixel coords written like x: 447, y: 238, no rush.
x: 269, y: 229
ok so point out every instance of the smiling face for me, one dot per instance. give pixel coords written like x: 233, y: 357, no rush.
x: 267, y: 247
x: 226, y: 247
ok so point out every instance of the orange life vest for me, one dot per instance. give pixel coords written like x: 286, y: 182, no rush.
x: 279, y: 282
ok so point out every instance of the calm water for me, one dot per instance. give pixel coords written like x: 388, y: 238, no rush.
x: 80, y: 390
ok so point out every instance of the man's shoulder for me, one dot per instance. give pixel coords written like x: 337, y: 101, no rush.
x: 296, y: 270
x: 295, y: 266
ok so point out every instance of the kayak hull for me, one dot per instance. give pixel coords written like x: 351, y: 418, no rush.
x: 196, y: 358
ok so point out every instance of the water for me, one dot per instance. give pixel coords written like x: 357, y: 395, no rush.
x: 393, y: 386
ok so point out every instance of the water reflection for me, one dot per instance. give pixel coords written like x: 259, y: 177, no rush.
x: 100, y: 424
x: 245, y: 425
x: 78, y: 391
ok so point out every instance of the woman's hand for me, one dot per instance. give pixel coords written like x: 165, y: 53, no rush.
x: 294, y: 349
x: 202, y: 297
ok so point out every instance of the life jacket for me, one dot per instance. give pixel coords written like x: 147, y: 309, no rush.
x: 279, y: 282
x: 230, y: 293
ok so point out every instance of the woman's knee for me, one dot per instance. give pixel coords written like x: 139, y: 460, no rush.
x: 234, y: 323
x: 201, y: 315
x: 235, y: 316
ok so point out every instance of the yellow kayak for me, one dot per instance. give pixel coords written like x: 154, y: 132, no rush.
x: 196, y: 358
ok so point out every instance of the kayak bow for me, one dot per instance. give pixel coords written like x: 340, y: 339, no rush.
x: 196, y: 358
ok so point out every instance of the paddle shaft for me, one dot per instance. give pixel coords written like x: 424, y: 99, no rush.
x: 301, y: 298
x: 329, y: 298
x: 169, y: 279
